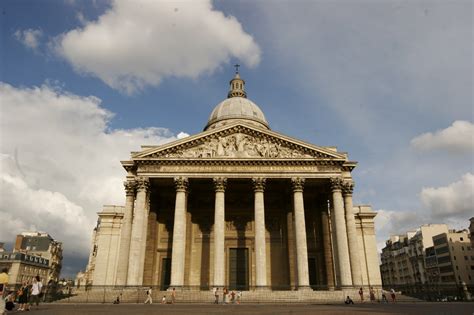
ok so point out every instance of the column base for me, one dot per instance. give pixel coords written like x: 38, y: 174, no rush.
x: 304, y: 288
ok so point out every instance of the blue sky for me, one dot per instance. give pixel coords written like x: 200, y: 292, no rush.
x: 86, y: 82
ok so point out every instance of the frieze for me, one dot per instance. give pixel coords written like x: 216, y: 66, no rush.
x: 150, y: 168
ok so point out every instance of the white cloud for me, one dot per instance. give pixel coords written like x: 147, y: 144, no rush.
x: 136, y: 44
x: 454, y: 200
x: 182, y: 135
x: 459, y: 137
x: 30, y: 38
x: 60, y: 162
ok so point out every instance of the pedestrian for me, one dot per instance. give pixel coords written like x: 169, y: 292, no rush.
x: 384, y: 297
x: 239, y: 296
x: 36, y: 291
x: 232, y: 297
x: 10, y: 301
x: 149, y: 299
x: 117, y: 300
x: 163, y: 300
x: 224, y: 295
x: 173, y: 296
x: 392, y: 295
x: 216, y: 295
x: 361, y: 294
x: 23, y: 293
x: 348, y: 300
x: 372, y: 294
x: 3, y: 289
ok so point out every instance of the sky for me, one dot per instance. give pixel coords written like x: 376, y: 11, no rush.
x: 83, y: 83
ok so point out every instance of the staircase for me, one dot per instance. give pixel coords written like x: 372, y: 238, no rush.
x: 138, y: 295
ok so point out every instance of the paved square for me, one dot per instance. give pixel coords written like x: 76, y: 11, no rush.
x: 293, y: 309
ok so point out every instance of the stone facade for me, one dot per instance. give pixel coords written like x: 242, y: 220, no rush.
x: 241, y: 206
x: 24, y: 267
x: 42, y: 245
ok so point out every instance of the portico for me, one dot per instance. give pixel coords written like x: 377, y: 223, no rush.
x: 243, y: 207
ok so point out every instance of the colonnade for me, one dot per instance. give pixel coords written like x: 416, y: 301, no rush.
x: 345, y: 243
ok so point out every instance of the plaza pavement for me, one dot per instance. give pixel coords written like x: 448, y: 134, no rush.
x: 267, y: 309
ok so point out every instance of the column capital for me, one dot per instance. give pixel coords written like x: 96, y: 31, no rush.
x: 258, y: 184
x: 297, y: 184
x: 336, y: 183
x: 130, y: 187
x: 181, y: 183
x: 347, y: 188
x: 142, y: 183
x: 220, y: 184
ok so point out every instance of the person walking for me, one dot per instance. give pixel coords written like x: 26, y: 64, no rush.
x: 149, y: 299
x: 384, y: 296
x: 36, y: 291
x: 23, y: 293
x: 216, y: 295
x: 392, y: 295
x: 361, y: 294
x: 372, y: 294
x: 239, y: 296
x: 224, y: 295
x: 173, y: 296
x: 3, y: 289
x: 232, y: 297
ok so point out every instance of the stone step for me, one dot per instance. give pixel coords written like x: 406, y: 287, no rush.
x: 264, y: 296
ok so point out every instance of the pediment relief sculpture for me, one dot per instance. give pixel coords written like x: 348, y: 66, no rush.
x: 238, y: 145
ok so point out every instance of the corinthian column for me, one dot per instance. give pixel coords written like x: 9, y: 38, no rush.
x: 179, y: 233
x: 139, y: 229
x: 327, y: 246
x: 300, y: 233
x: 352, y: 234
x: 126, y: 233
x: 260, y: 248
x: 344, y: 266
x: 219, y: 232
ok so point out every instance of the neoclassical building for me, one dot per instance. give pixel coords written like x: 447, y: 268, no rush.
x: 237, y: 205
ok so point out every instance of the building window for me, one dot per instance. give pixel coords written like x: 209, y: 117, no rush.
x: 454, y: 257
x: 461, y: 239
x: 465, y: 258
x: 462, y: 247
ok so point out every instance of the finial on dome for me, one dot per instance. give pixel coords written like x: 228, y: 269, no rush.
x: 237, y: 85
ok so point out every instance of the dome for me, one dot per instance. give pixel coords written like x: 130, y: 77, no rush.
x: 236, y: 108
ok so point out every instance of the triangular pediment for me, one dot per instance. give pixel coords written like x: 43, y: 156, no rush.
x: 238, y: 141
